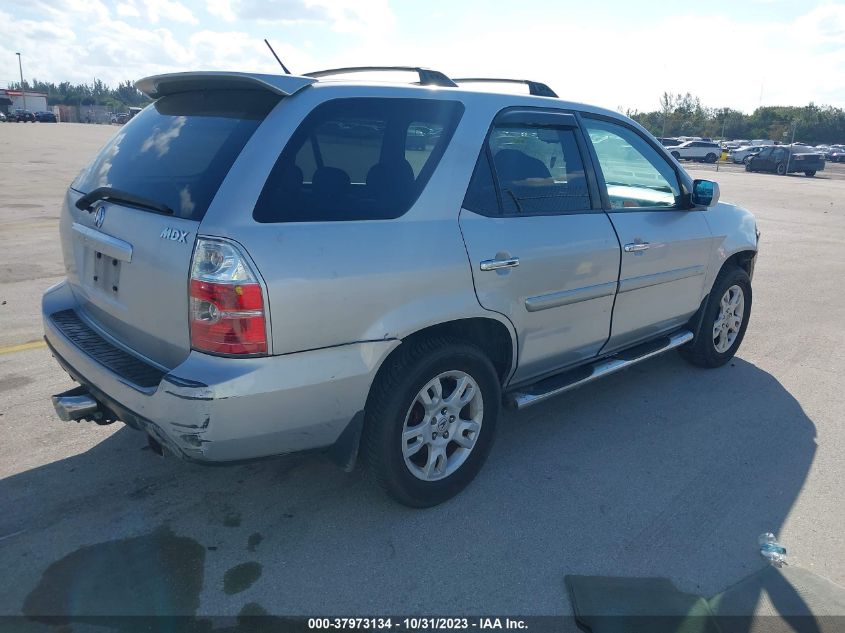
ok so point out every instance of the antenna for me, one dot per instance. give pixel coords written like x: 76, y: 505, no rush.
x: 276, y: 56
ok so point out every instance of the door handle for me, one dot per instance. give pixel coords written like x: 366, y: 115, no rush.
x: 637, y: 247
x: 496, y: 264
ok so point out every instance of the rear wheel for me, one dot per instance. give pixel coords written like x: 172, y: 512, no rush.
x: 430, y: 420
x: 809, y: 173
x: 711, y: 158
x: 781, y: 169
x: 725, y: 320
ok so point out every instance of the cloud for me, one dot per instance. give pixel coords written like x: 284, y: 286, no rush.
x: 628, y: 65
x: 347, y: 16
x: 128, y: 9
x: 221, y: 9
x: 169, y: 10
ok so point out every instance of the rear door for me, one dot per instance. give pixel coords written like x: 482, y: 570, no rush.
x: 665, y: 247
x: 542, y: 252
x: 128, y: 261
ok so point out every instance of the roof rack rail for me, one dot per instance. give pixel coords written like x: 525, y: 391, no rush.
x: 427, y: 76
x: 535, y: 88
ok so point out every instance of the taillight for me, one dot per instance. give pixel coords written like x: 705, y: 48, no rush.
x: 227, y: 306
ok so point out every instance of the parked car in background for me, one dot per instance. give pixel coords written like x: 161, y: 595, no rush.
x: 45, y: 117
x: 706, y: 151
x: 2, y: 117
x: 729, y: 145
x: 786, y: 159
x: 835, y: 153
x: 19, y: 115
x: 417, y: 137
x: 744, y: 154
x: 669, y: 141
x: 538, y: 245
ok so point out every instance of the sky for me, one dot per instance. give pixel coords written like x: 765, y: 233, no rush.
x: 619, y: 54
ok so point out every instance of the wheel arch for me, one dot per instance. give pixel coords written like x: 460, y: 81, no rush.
x: 493, y: 336
x: 744, y: 259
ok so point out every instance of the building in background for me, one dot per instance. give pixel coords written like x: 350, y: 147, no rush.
x: 13, y: 99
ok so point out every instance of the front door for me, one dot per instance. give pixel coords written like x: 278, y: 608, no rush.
x: 665, y: 248
x: 763, y: 160
x: 542, y: 252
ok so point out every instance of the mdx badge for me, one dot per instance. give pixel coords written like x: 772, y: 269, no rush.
x: 174, y: 235
x: 100, y: 217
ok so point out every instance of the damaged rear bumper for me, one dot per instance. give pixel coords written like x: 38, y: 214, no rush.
x: 212, y: 409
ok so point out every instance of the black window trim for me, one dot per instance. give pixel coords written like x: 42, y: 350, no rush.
x: 685, y: 203
x: 540, y: 117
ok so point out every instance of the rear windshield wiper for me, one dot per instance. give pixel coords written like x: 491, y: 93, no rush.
x: 86, y: 202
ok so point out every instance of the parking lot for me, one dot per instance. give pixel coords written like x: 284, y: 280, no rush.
x: 662, y: 470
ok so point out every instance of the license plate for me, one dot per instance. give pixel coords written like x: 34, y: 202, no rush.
x: 104, y: 273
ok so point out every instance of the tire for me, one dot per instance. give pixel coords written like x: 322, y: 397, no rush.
x: 781, y: 169
x: 420, y: 478
x: 677, y: 155
x: 711, y: 158
x: 707, y: 349
x: 746, y: 160
x: 748, y: 166
x: 810, y: 173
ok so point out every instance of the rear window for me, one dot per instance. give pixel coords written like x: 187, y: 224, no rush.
x: 178, y: 150
x: 358, y: 159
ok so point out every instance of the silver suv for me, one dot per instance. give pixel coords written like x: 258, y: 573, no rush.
x: 259, y: 264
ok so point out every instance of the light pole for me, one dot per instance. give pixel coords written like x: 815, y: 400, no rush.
x: 789, y: 155
x: 23, y: 89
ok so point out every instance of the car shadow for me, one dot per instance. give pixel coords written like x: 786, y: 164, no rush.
x: 662, y: 470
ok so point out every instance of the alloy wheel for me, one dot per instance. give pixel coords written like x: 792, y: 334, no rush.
x: 729, y: 320
x: 442, y: 425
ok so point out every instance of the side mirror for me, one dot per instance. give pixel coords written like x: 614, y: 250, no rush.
x: 705, y: 193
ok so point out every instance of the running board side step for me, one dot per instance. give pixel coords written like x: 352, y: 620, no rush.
x: 557, y: 384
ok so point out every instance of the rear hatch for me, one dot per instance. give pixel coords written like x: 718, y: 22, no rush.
x: 128, y: 252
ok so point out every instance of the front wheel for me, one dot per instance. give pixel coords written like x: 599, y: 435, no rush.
x: 781, y: 169
x: 725, y: 320
x: 809, y: 173
x: 430, y: 420
x: 746, y: 160
x: 677, y: 155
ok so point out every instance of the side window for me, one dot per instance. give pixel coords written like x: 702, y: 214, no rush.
x: 420, y: 139
x: 481, y: 195
x: 765, y: 153
x: 635, y: 174
x: 778, y: 154
x: 534, y: 171
x: 358, y: 159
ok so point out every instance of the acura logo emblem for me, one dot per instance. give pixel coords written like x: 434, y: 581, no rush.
x: 100, y: 217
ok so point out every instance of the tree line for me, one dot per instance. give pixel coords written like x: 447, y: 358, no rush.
x: 678, y: 115
x: 683, y: 115
x: 97, y: 93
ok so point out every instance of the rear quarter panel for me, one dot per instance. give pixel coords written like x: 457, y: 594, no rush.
x: 332, y: 283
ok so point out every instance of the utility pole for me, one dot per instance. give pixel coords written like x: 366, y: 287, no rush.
x: 789, y: 155
x: 23, y: 89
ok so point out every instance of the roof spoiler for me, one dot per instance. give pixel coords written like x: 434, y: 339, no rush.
x: 158, y: 86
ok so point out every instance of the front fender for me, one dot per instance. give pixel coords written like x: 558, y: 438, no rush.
x: 734, y: 230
